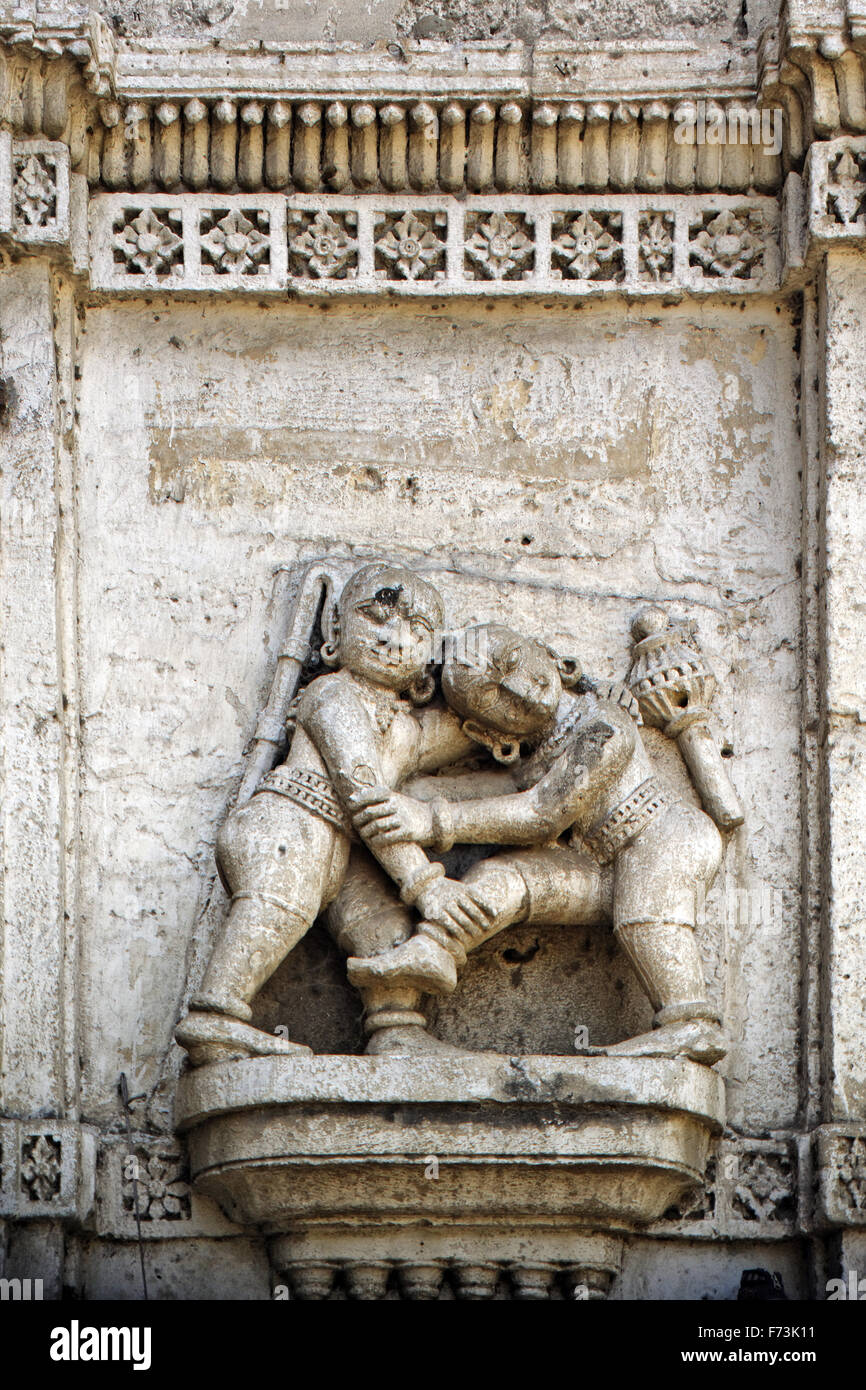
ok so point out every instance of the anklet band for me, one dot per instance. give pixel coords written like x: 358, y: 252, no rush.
x: 396, y: 1018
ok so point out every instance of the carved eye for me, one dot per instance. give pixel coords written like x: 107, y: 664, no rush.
x: 487, y: 697
x: 388, y: 597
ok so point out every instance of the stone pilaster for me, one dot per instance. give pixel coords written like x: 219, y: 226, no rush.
x: 843, y: 324
x: 33, y: 1004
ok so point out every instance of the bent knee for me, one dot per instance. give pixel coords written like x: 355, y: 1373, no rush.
x: 500, y: 886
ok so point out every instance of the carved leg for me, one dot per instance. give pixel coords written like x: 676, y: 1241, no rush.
x: 666, y: 960
x: 367, y: 920
x: 656, y: 879
x: 278, y: 860
x: 557, y: 885
x: 257, y: 935
x: 430, y: 960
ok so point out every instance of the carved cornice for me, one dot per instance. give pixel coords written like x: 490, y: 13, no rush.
x: 549, y: 117
x: 814, y: 63
x: 364, y: 142
x: 418, y: 70
x: 429, y: 116
x: 73, y: 31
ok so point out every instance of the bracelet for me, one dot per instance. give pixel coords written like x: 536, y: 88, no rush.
x: 412, y: 889
x: 443, y: 825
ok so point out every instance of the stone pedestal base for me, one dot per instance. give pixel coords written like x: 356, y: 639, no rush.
x: 371, y: 1170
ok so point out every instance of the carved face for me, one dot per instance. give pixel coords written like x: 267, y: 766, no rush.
x: 518, y: 691
x: 389, y: 619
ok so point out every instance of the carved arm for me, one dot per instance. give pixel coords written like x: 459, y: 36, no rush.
x: 594, y: 754
x: 338, y: 725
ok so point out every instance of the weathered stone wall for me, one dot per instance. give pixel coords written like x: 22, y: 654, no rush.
x: 449, y: 20
x: 556, y: 445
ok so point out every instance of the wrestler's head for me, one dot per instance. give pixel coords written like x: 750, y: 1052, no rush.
x: 510, y: 693
x: 385, y: 627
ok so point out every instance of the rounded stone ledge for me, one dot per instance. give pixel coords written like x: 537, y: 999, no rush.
x: 660, y: 1082
x: 608, y: 1143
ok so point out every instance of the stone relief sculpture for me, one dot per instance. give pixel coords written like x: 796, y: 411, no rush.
x: 520, y: 749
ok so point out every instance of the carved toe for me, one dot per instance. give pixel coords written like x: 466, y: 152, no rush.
x: 697, y: 1039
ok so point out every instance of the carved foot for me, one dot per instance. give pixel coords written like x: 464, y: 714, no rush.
x: 411, y: 1040
x: 219, y: 1038
x: 418, y: 964
x: 696, y: 1038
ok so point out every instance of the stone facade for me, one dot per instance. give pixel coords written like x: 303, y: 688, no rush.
x: 561, y: 316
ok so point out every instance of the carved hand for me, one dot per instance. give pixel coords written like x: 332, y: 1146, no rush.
x: 387, y: 818
x: 565, y: 782
x: 453, y: 907
x: 619, y: 694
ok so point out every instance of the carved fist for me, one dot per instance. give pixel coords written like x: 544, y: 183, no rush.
x: 564, y: 786
x: 387, y: 818
x: 452, y: 906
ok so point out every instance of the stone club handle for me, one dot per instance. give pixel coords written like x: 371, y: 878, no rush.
x: 316, y: 587
x: 704, y: 761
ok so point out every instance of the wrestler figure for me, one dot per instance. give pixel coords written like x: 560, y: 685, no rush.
x: 283, y: 855
x: 610, y: 842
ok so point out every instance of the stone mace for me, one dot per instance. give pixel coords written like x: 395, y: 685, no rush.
x: 316, y: 589
x: 673, y: 686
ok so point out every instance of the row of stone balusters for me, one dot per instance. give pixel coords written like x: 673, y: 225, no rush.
x: 317, y: 146
x: 386, y: 1279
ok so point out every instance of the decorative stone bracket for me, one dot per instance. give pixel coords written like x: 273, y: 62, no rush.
x: 344, y: 1160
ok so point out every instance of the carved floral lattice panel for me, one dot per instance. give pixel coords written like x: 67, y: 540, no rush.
x: 490, y: 246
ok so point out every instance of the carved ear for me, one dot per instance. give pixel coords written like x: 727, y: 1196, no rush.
x: 569, y: 668
x: 422, y: 689
x: 330, y: 653
x: 330, y: 625
x: 503, y: 750
x: 330, y: 648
